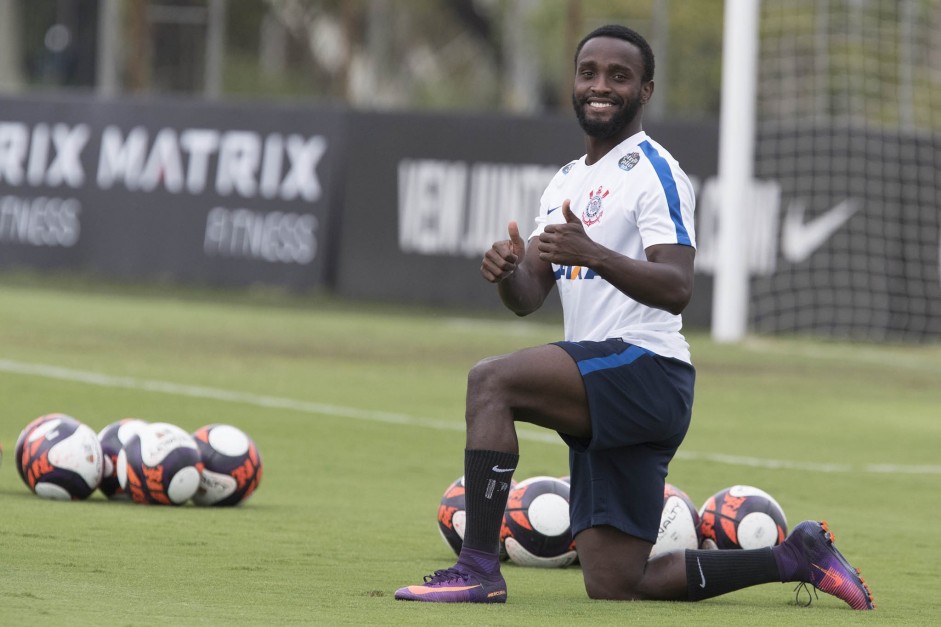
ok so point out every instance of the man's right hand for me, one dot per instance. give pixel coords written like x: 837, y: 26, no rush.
x: 504, y: 256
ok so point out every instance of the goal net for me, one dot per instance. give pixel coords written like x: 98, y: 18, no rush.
x: 848, y: 136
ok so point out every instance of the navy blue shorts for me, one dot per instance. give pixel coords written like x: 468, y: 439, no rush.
x: 640, y: 405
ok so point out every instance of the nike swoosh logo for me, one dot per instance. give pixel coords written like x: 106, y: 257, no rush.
x: 553, y: 209
x: 498, y: 469
x: 428, y: 590
x: 837, y: 580
x: 701, y: 574
x: 801, y: 239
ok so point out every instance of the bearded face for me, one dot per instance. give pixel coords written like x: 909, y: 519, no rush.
x: 608, y: 125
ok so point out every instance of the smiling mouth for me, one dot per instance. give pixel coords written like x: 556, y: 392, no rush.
x: 599, y: 106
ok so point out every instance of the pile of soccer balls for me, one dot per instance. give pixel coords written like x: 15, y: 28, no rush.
x: 536, y: 529
x: 59, y: 457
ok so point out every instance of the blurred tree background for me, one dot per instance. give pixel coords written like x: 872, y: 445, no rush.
x: 503, y: 55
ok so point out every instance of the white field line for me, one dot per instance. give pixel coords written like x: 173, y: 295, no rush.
x: 306, y: 407
x: 921, y: 359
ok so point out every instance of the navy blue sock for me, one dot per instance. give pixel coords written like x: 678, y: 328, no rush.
x: 487, y: 477
x: 711, y: 573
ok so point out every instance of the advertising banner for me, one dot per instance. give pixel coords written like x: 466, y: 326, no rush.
x: 394, y: 207
x: 215, y: 194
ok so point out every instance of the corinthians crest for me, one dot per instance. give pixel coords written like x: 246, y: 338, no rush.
x: 594, y: 211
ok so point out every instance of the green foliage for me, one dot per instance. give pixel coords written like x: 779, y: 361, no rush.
x: 689, y: 58
x: 694, y: 73
x: 245, y: 78
x: 357, y: 411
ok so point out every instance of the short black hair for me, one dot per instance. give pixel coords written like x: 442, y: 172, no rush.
x: 627, y: 34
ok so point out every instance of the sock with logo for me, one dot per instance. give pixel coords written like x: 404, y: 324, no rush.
x: 487, y: 476
x: 711, y: 573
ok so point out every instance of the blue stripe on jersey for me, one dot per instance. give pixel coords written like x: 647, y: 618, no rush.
x: 612, y: 361
x: 665, y: 174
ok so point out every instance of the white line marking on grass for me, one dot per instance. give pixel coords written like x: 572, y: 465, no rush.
x: 195, y: 391
x: 277, y: 402
x: 921, y: 359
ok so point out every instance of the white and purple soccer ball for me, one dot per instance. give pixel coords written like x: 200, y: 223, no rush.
x: 231, y: 465
x: 537, y: 530
x: 59, y: 457
x: 743, y: 517
x: 680, y: 526
x: 452, y: 517
x: 160, y: 465
x: 112, y: 439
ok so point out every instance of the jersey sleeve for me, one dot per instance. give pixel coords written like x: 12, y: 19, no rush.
x: 665, y: 211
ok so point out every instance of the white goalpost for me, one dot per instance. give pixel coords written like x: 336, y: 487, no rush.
x: 736, y: 142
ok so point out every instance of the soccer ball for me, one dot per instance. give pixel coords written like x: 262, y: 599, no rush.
x: 452, y: 517
x: 231, y: 465
x: 160, y: 464
x: 537, y: 526
x: 680, y: 526
x: 59, y: 457
x: 743, y: 517
x: 112, y: 439
x: 21, y: 465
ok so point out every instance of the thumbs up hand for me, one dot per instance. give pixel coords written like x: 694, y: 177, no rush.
x: 570, y: 218
x: 566, y: 243
x: 504, y: 256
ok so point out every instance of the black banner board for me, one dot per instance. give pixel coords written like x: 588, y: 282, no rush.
x: 179, y: 190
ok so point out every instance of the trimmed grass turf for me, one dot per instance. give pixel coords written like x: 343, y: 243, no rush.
x: 346, y: 509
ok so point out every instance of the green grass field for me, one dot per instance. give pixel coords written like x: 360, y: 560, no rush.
x: 358, y: 413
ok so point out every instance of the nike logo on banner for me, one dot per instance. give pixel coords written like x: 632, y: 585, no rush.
x: 701, y: 574
x: 498, y: 469
x: 801, y: 239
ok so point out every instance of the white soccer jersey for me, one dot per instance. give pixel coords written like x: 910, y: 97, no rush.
x: 634, y: 197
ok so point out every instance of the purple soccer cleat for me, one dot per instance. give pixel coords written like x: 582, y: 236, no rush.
x: 455, y: 586
x: 809, y: 556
